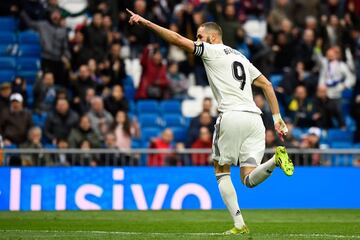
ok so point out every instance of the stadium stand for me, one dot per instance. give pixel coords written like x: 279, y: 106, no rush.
x: 274, y: 50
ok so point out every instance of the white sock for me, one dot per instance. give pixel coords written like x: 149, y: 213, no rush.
x: 228, y: 194
x: 260, y: 173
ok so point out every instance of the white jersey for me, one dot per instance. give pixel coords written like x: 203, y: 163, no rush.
x: 230, y: 76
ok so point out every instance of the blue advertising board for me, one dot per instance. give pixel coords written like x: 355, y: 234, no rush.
x: 142, y: 188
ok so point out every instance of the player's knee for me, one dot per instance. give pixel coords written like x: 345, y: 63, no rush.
x: 247, y: 183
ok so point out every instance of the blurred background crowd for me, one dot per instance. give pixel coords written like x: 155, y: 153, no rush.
x: 75, y: 74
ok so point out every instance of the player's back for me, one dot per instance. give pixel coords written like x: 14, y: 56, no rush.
x: 230, y: 76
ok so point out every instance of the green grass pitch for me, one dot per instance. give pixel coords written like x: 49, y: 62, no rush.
x: 264, y: 224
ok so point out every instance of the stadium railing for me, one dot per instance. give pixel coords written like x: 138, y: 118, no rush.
x: 139, y: 157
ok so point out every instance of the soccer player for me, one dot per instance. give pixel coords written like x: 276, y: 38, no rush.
x: 239, y: 131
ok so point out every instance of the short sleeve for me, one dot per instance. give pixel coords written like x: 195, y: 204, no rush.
x: 205, y: 50
x: 254, y: 72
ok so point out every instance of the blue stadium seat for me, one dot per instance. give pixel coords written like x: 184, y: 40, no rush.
x: 344, y: 160
x: 275, y: 79
x: 7, y: 63
x: 180, y: 134
x: 7, y: 50
x: 7, y: 38
x: 297, y: 133
x: 149, y: 120
x: 170, y: 106
x: 29, y: 95
x: 147, y: 106
x: 50, y: 146
x: 129, y: 92
x: 350, y: 123
x: 150, y: 132
x: 337, y: 135
x: 39, y: 119
x: 8, y: 24
x: 29, y: 37
x: 132, y: 107
x: 29, y: 76
x: 136, y: 143
x: 174, y: 120
x: 28, y: 64
x: 29, y: 50
x: 6, y: 75
x: 341, y: 145
x: 128, y: 81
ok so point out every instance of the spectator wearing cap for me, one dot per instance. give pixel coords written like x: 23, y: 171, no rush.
x: 5, y: 92
x: 311, y: 140
x: 15, y: 121
x: 55, y: 53
x: 60, y: 122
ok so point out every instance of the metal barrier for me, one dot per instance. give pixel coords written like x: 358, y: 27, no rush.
x: 139, y: 157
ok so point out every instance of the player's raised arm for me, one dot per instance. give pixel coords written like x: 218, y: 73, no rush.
x: 166, y: 34
x: 263, y: 83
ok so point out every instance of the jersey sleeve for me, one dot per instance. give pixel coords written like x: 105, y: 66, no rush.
x: 254, y: 72
x: 205, y: 50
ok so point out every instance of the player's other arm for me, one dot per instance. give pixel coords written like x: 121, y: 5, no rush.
x: 166, y: 34
x: 263, y: 83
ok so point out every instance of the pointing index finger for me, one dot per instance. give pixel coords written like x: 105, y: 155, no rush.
x: 130, y: 12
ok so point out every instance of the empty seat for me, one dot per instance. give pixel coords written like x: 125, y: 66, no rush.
x: 29, y: 37
x: 136, y: 143
x: 29, y: 76
x: 174, y: 120
x: 39, y: 119
x: 342, y: 160
x: 128, y: 81
x: 341, y: 145
x: 8, y: 24
x: 7, y: 38
x: 196, y: 92
x: 180, y: 134
x: 29, y: 50
x: 129, y: 92
x: 132, y: 107
x: 150, y: 132
x: 337, y: 135
x: 149, y: 120
x: 191, y: 108
x: 28, y: 64
x: 147, y: 106
x: 7, y: 50
x: 6, y: 75
x: 170, y: 106
x: 7, y: 63
x: 275, y: 79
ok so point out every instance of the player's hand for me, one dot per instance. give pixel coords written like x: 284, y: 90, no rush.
x: 280, y: 127
x: 135, y: 18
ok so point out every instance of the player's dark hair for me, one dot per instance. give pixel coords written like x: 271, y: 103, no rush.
x: 213, y: 27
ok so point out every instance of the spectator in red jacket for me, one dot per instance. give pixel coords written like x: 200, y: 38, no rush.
x: 164, y: 142
x: 154, y: 83
x: 203, y: 141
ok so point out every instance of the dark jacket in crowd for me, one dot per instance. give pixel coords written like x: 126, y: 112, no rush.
x: 78, y: 135
x: 95, y: 40
x: 113, y: 106
x: 14, y: 126
x: 59, y: 126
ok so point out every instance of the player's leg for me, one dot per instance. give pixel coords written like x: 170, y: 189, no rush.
x: 224, y: 157
x: 252, y: 151
x: 252, y: 176
x: 228, y: 193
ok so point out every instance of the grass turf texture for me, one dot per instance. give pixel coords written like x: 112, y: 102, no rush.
x: 264, y: 224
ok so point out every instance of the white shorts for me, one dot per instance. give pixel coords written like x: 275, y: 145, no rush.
x: 239, y: 138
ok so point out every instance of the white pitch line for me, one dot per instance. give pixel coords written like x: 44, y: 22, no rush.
x: 312, y: 235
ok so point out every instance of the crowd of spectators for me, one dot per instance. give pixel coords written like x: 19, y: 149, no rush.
x: 314, y: 45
